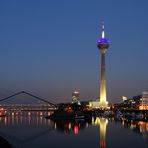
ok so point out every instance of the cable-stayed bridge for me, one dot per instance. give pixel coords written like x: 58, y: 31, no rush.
x: 17, y: 108
x: 17, y: 117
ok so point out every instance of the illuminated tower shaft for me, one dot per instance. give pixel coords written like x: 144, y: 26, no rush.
x: 103, y: 80
x: 103, y: 45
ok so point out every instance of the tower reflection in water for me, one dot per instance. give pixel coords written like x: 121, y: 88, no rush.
x: 102, y: 122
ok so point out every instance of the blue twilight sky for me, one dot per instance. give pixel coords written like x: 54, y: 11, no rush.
x: 48, y: 47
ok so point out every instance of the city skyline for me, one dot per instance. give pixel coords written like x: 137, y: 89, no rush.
x: 49, y: 48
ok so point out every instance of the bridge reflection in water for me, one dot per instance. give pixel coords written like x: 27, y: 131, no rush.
x: 28, y: 118
x: 20, y: 130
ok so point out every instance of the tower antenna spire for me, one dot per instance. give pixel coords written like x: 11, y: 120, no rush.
x: 103, y: 32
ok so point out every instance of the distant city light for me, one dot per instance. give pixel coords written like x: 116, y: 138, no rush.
x: 76, y: 92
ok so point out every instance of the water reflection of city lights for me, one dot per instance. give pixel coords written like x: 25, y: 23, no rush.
x: 103, y: 144
x: 37, y: 120
x: 132, y: 126
x: 143, y: 126
x: 69, y: 126
x: 48, y: 122
x: 123, y: 122
x: 21, y: 119
x: 97, y: 121
x: 5, y: 120
x: 17, y: 120
x: 29, y: 119
x: 1, y: 109
x: 29, y: 113
x: 87, y: 124
x: 76, y: 129
x: 13, y: 119
x: 55, y: 126
x: 41, y: 120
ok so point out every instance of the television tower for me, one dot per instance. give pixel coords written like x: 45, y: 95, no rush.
x: 103, y: 45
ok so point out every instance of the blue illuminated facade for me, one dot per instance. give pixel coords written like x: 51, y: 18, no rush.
x: 103, y: 41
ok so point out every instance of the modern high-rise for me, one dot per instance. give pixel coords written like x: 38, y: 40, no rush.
x: 103, y: 45
x: 75, y: 97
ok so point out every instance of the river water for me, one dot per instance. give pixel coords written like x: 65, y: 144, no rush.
x: 35, y: 131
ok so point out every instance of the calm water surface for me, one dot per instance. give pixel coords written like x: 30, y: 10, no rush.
x: 34, y: 131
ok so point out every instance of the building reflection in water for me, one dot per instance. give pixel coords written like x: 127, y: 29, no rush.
x: 70, y: 126
x: 76, y: 129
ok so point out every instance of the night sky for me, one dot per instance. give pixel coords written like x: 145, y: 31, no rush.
x: 48, y: 47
